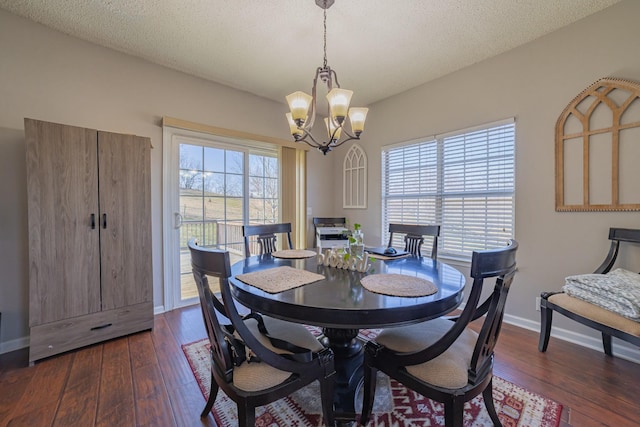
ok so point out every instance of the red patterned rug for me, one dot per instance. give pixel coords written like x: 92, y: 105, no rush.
x: 395, y: 405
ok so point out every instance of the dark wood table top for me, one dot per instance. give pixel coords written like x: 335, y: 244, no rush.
x: 340, y: 301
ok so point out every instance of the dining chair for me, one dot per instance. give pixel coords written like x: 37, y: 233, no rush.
x: 444, y: 359
x: 414, y: 237
x: 255, y: 360
x: 326, y: 222
x: 266, y: 236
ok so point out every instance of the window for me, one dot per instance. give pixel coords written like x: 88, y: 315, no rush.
x: 462, y: 180
x: 263, y: 189
x: 213, y: 197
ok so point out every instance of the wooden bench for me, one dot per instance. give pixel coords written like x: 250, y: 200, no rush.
x: 610, y: 324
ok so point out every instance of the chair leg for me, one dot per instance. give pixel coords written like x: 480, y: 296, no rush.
x: 454, y: 413
x: 487, y: 395
x: 369, y: 395
x: 212, y: 398
x: 606, y: 343
x: 326, y: 392
x: 546, y: 317
x: 246, y: 415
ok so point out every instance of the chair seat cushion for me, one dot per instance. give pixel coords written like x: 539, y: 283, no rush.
x: 595, y: 313
x: 256, y: 376
x: 259, y: 376
x: 292, y: 332
x: 450, y: 369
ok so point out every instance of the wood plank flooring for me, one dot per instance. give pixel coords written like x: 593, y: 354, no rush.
x: 145, y: 380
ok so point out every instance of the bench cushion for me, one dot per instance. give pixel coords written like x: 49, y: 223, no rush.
x: 595, y: 313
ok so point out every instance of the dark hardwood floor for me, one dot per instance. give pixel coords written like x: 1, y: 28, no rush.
x: 145, y: 380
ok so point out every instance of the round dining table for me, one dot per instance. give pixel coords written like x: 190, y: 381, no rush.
x: 342, y: 306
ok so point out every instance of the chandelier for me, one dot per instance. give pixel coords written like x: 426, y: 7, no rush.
x: 303, y: 106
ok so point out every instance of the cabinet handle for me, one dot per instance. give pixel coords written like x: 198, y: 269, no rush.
x: 95, y: 328
x: 93, y: 221
x: 104, y: 220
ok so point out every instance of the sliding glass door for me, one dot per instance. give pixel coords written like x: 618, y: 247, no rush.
x: 218, y: 188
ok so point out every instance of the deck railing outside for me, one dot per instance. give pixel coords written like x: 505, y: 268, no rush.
x: 210, y: 234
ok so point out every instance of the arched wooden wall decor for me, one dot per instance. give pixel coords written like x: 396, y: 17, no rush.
x: 354, y: 170
x: 598, y: 149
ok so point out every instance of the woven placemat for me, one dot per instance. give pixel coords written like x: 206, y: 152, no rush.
x: 279, y: 279
x: 398, y: 285
x: 293, y: 253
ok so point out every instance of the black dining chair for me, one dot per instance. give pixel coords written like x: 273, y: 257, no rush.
x: 414, y: 237
x: 266, y: 236
x: 443, y: 359
x: 326, y: 222
x: 255, y: 360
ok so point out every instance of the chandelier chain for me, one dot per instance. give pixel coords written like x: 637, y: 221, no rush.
x: 324, y: 65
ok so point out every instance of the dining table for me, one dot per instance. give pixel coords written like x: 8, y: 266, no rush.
x: 340, y: 304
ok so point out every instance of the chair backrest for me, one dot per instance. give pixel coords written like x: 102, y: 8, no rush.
x: 497, y: 263
x: 501, y: 264
x: 617, y: 235
x: 414, y: 237
x: 211, y: 262
x: 266, y: 236
x: 326, y: 222
x: 214, y: 263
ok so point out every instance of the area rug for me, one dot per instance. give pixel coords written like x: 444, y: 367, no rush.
x: 395, y: 405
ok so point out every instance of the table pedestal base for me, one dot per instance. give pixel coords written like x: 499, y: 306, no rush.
x: 348, y: 364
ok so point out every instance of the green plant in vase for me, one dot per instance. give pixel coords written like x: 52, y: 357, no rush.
x: 356, y: 242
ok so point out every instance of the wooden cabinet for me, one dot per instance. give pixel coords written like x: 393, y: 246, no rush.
x: 89, y: 218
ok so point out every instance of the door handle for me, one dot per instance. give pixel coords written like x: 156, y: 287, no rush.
x: 177, y: 220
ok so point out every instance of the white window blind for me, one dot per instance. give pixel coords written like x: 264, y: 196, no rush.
x: 463, y: 181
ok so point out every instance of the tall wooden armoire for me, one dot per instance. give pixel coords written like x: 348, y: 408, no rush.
x: 89, y: 217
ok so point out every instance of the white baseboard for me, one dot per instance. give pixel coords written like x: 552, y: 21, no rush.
x: 13, y: 345
x: 623, y: 351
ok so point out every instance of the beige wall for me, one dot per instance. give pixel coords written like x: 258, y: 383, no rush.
x: 533, y: 83
x: 49, y: 76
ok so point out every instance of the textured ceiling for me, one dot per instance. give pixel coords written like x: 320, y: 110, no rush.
x: 272, y: 47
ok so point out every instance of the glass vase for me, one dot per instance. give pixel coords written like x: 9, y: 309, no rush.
x: 356, y: 245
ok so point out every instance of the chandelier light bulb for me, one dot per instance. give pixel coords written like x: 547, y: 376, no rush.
x: 357, y: 117
x: 339, y: 100
x: 334, y: 131
x: 299, y: 103
x: 293, y: 127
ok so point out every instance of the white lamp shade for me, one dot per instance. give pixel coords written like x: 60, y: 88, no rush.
x: 299, y: 103
x: 293, y: 128
x: 339, y: 100
x: 357, y: 117
x: 331, y: 126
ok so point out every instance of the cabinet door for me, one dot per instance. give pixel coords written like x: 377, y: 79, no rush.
x: 125, y: 219
x: 62, y: 184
